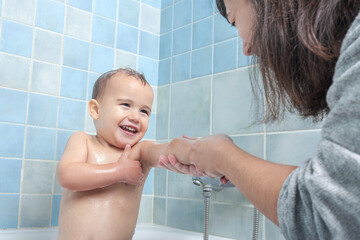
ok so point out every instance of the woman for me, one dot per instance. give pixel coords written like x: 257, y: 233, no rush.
x: 308, y: 53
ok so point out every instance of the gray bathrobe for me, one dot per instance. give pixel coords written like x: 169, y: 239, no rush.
x: 321, y: 199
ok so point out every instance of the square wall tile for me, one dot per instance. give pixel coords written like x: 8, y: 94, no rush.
x: 78, y: 23
x: 292, y: 121
x: 57, y: 188
x: 165, y: 45
x: 185, y: 214
x: 182, y: 13
x: 10, y: 176
x: 190, y: 108
x: 253, y: 144
x: 150, y: 19
x: 166, y: 3
x: 62, y: 138
x: 160, y: 181
x: 16, y: 38
x: 182, y: 186
x: 35, y: 211
x: 55, y: 210
x: 203, y: 9
x: 76, y: 53
x: 149, y: 183
x: 225, y: 56
x: 82, y: 4
x: 40, y: 104
x: 201, y: 62
x: 102, y: 59
x: 146, y: 210
x: 162, y: 115
x: 127, y: 38
x: 223, y: 30
x: 9, y: 210
x: 182, y: 40
x: 40, y: 143
x: 13, y: 105
x: 129, y: 12
x: 150, y: 133
x: 103, y: 31
x: 14, y: 72
x: 89, y: 123
x: 149, y: 45
x: 150, y: 69
x: 46, y: 78
x: 20, y: 10
x: 233, y: 115
x: 48, y: 46
x: 37, y: 177
x: 125, y: 59
x: 222, y: 221
x: 202, y: 33
x: 153, y: 3
x: 166, y: 20
x: 50, y: 15
x: 159, y: 210
x: 73, y: 83
x: 164, y: 72
x: 11, y: 140
x: 105, y: 8
x: 154, y: 105
x: 181, y: 67
x: 71, y: 114
x: 288, y: 148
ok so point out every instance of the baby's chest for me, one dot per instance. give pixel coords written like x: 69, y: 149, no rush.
x: 99, y: 156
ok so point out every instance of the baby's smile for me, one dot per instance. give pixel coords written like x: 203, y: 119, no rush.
x: 129, y: 129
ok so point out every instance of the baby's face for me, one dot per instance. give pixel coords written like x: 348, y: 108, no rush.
x: 124, y: 110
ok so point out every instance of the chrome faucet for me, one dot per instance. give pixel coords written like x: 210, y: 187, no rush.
x: 209, y: 184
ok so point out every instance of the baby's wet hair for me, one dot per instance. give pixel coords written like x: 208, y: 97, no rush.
x: 101, y: 82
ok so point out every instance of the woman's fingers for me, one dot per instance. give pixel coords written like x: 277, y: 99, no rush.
x: 190, y: 138
x: 165, y: 163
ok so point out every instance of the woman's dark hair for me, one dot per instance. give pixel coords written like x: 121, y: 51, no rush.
x: 297, y: 44
x: 101, y: 82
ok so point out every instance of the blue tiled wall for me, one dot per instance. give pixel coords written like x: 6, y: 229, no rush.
x: 51, y: 52
x: 204, y: 88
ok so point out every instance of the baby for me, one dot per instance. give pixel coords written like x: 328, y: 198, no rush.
x: 101, y: 175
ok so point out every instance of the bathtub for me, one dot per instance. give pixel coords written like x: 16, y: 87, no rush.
x: 142, y: 232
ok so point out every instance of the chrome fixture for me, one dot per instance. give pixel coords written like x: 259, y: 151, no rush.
x: 209, y: 184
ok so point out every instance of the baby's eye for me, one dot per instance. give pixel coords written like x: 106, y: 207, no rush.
x: 144, y: 111
x: 125, y: 104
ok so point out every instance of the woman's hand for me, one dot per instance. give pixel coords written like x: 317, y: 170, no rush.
x: 171, y: 163
x: 201, y: 157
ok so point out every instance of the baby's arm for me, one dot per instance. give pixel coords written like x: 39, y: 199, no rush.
x: 74, y: 173
x: 150, y: 151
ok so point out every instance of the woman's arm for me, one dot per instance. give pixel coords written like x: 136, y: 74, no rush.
x: 74, y: 173
x: 260, y: 181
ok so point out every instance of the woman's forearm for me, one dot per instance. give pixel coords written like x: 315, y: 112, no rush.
x: 260, y: 181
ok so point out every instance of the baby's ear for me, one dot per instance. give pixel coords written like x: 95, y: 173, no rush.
x: 94, y: 109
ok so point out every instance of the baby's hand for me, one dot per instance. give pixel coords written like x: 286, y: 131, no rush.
x: 131, y: 170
